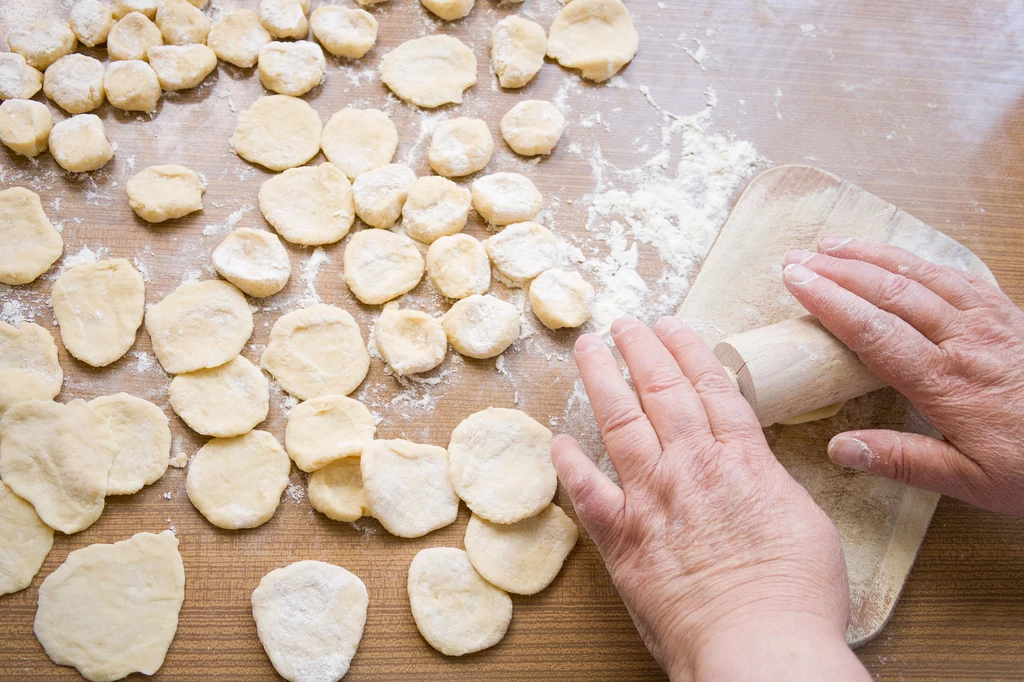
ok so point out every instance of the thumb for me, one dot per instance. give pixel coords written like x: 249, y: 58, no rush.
x: 597, y: 500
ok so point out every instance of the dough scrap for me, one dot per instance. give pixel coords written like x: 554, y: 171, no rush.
x: 481, y: 326
x: 91, y: 20
x: 461, y: 146
x: 518, y: 47
x: 407, y: 487
x: 561, y: 299
x: 449, y: 10
x: 255, y: 261
x: 381, y: 193
x: 344, y: 32
x: 533, y: 127
x: 501, y: 465
x: 278, y: 132
x: 79, y: 144
x: 292, y: 68
x: 181, y: 23
x: 595, y: 36
x: 410, y: 341
x: 18, y: 80
x: 336, y: 491
x: 381, y: 265
x: 458, y: 266
x: 75, y: 83
x: 323, y: 430
x: 311, y: 205
x: 132, y: 36
x: 506, y: 198
x: 161, y: 193
x: 25, y: 126
x: 181, y: 67
x: 143, y: 436
x: 284, y: 18
x: 436, y: 207
x: 431, y: 71
x: 29, y: 369
x: 224, y: 401
x: 238, y: 37
x: 43, y: 43
x: 31, y: 242
x: 24, y: 542
x: 145, y: 7
x: 359, y: 140
x: 522, y: 251
x: 132, y: 85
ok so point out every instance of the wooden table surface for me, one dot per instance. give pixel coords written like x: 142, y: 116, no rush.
x: 919, y: 102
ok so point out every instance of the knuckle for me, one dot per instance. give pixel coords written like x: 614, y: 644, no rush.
x: 664, y: 381
x: 893, y: 291
x: 896, y: 465
x: 710, y: 381
x: 874, y: 333
x: 623, y: 418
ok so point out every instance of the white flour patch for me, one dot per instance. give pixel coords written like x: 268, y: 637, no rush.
x: 310, y: 271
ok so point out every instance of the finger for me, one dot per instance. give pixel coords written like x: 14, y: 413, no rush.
x: 598, y: 502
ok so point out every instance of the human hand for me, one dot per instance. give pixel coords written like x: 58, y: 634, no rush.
x: 950, y: 342
x: 710, y: 542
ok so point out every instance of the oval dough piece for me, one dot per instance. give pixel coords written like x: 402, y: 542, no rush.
x: 24, y: 542
x: 336, y: 491
x: 146, y: 7
x: 199, y: 325
x: 436, y: 207
x: 238, y: 37
x: 112, y: 610
x: 99, y: 307
x: 29, y: 369
x: 325, y: 429
x: 181, y: 67
x: 310, y: 206
x: 160, y: 193
x: 533, y: 127
x: 57, y: 456
x: 25, y: 126
x: 132, y: 36
x: 380, y: 194
x: 595, y: 36
x: 460, y: 147
x: 522, y: 251
x: 31, y: 242
x: 132, y: 85
x: 359, y: 140
x: 292, y: 68
x: 143, y: 437
x: 18, y: 80
x: 501, y: 465
x: 381, y: 265
x: 284, y: 18
x: 278, y: 132
x: 344, y: 32
x: 455, y: 610
x: 431, y: 71
x: 181, y: 23
x: 316, y: 351
x: 407, y: 487
x: 449, y: 10
x: 255, y: 261
x: 237, y: 482
x: 91, y: 20
x: 481, y: 326
x: 43, y: 43
x: 458, y: 266
x: 518, y: 47
x: 310, y: 617
x: 561, y: 299
x: 222, y: 401
x: 505, y: 198
x: 79, y: 144
x: 410, y: 341
x: 75, y: 83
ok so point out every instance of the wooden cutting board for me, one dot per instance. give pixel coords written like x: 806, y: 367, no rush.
x: 739, y: 288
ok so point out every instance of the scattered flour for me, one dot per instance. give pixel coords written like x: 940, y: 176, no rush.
x: 310, y: 271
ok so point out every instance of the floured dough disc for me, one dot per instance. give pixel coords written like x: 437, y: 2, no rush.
x: 449, y: 10
x: 160, y: 193
x: 506, y: 198
x: 292, y: 68
x: 430, y: 71
x: 561, y: 299
x: 284, y: 18
x: 277, y: 132
x: 381, y: 265
x: 143, y: 438
x: 458, y: 266
x: 533, y: 127
x: 481, y: 326
x: 79, y: 144
x: 410, y: 341
x: 380, y: 194
x: 25, y: 126
x: 28, y: 365
x: 24, y: 542
x: 18, y: 80
x: 255, y: 261
x: 518, y: 47
x: 75, y: 83
x: 238, y: 37
x: 359, y: 140
x: 145, y: 7
x: 181, y: 23
x: 501, y: 465
x: 522, y: 251
x: 43, y: 43
x: 310, y: 206
x: 595, y: 36
x: 132, y: 36
x: 222, y: 401
x: 344, y: 32
x: 407, y: 487
x: 336, y: 491
x: 31, y: 242
x: 181, y: 67
x: 91, y: 20
x: 132, y: 85
x: 460, y: 147
x: 435, y: 207
x: 326, y: 429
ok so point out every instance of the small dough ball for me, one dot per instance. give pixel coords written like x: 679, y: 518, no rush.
x: 255, y: 261
x: 199, y: 325
x: 181, y: 23
x: 336, y: 491
x: 144, y: 441
x: 449, y: 10
x: 18, y: 80
x: 595, y: 36
x: 132, y: 36
x: 132, y: 85
x: 292, y: 68
x: 28, y: 365
x: 237, y: 482
x: 455, y: 610
x: 436, y: 207
x: 501, y: 465
x: 533, y: 127
x: 79, y: 144
x: 381, y: 265
x: 24, y: 542
x: 410, y: 341
x: 31, y: 242
x: 181, y: 67
x: 359, y: 140
x: 380, y: 194
x: 458, y: 266
x: 316, y: 351
x: 310, y: 206
x: 481, y: 326
x: 506, y: 198
x: 431, y: 71
x: 238, y: 38
x: 124, y: 7
x: 518, y: 47
x: 25, y: 126
x: 161, y: 193
x: 344, y: 32
x: 561, y: 299
x: 91, y: 20
x: 222, y: 401
x: 328, y: 428
x: 75, y: 83
x: 278, y: 132
x: 43, y: 43
x: 284, y: 18
x: 522, y: 251
x: 407, y: 487
x: 460, y: 147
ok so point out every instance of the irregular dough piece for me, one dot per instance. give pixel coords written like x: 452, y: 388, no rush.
x: 410, y: 341
x: 31, y: 242
x: 160, y: 193
x: 436, y: 207
x: 449, y: 10
x: 522, y: 251
x: 458, y: 266
x: 99, y: 307
x: 430, y: 71
x: 284, y: 18
x: 311, y: 205
x: 237, y: 482
x: 181, y: 67
x: 143, y: 437
x: 595, y: 36
x: 310, y: 617
x: 79, y: 144
x: 533, y: 127
x: 181, y: 23
x: 518, y: 47
x: 348, y: 33
x: 501, y: 465
x: 523, y: 557
x: 255, y: 261
x: 407, y: 487
x: 481, y: 326
x: 111, y: 610
x: 146, y: 7
x: 43, y: 43
x: 505, y: 198
x: 24, y: 542
x: 561, y: 299
x: 132, y: 85
x: 75, y: 83
x: 25, y: 126
x: 826, y: 412
x: 369, y: 3
x: 316, y: 351
x: 91, y: 20
x: 460, y: 147
x: 292, y: 68
x: 380, y: 194
x: 29, y: 369
x: 455, y: 610
x: 199, y: 325
x: 336, y: 491
x: 325, y: 429
x: 278, y: 132
x: 132, y: 36
x: 57, y: 457
x: 222, y: 401
x: 238, y: 37
x: 381, y: 265
x: 18, y: 80
x: 359, y: 140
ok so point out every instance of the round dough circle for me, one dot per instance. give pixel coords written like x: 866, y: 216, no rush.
x: 181, y: 23
x: 336, y: 491
x: 18, y: 80
x: 311, y: 205
x: 132, y: 36
x: 522, y: 251
x: 277, y: 132
x: 561, y: 299
x: 449, y: 10
x: 381, y: 265
x: 79, y: 144
x: 29, y: 369
x: 344, y: 32
x: 431, y: 71
x: 284, y: 18
x: 481, y: 326
x: 325, y: 429
x: 505, y: 198
x: 407, y: 488
x: 75, y: 83
x: 238, y: 37
x: 180, y: 67
x: 143, y: 437
x: 533, y: 127
x: 222, y: 401
x: 461, y: 146
x: 435, y: 207
x: 458, y: 266
x: 359, y: 140
x: 132, y: 85
x: 24, y: 542
x: 43, y: 43
x: 25, y: 126
x: 255, y: 261
x: 31, y: 242
x: 595, y: 36
x: 146, y: 7
x: 160, y: 193
x: 381, y: 193
x: 410, y: 341
x: 91, y: 20
x: 292, y: 68
x: 518, y: 47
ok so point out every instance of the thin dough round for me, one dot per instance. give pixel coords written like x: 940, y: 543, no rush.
x: 561, y: 299
x: 458, y: 266
x: 31, y: 242
x: 325, y: 429
x: 284, y: 18
x: 595, y: 36
x: 336, y: 491
x: 18, y: 80
x: 238, y: 37
x: 518, y: 47
x: 449, y: 10
x: 24, y: 542
x: 143, y: 436
x: 292, y: 68
x: 132, y: 36
x: 181, y: 67
x: 29, y: 369
x: 91, y: 20
x: 310, y: 206
x: 407, y: 487
x: 79, y: 144
x: 410, y: 341
x: 132, y: 85
x: 533, y: 127
x: 359, y: 140
x: 278, y: 132
x: 431, y: 71
x: 481, y: 326
x: 522, y: 251
x: 506, y: 198
x: 436, y: 207
x: 381, y: 265
x: 223, y: 401
x: 461, y: 146
x: 344, y: 32
x: 380, y: 194
x: 75, y: 83
x: 43, y: 43
x: 255, y: 261
x: 181, y: 23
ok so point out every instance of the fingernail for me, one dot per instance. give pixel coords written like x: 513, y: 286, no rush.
x: 850, y: 452
x: 798, y: 274
x: 624, y: 324
x: 668, y: 325
x: 588, y: 342
x: 797, y: 256
x: 831, y: 242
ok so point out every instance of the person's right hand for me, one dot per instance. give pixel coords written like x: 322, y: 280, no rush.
x: 950, y: 342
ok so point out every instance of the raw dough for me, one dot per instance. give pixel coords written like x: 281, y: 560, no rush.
x: 359, y: 140
x: 561, y: 299
x: 381, y: 265
x: 75, y: 83
x: 146, y: 7
x: 326, y: 429
x: 132, y: 85
x: 595, y: 36
x: 43, y: 43
x: 28, y: 365
x: 501, y: 465
x: 91, y: 20
x: 18, y: 80
x: 24, y: 542
x: 284, y: 18
x: 237, y: 482
x: 449, y: 10
x: 826, y: 412
x: 481, y: 326
x: 336, y: 491
x: 455, y: 610
x: 430, y: 71
x: 132, y: 36
x: 458, y: 266
x: 25, y: 126
x: 111, y: 610
x: 181, y: 23
x: 410, y: 341
x: 143, y: 437
x: 79, y: 144
x: 222, y: 401
x: 31, y: 242
x: 369, y: 3
x: 505, y: 198
x: 407, y: 487
x: 460, y: 147
x: 523, y: 557
x: 199, y: 325
x: 278, y: 132
x: 436, y: 207
x: 344, y: 32
x: 316, y: 351
x: 311, y: 205
x: 292, y: 68
x: 57, y: 456
x: 310, y: 617
x: 522, y: 251
x: 99, y: 307
x: 518, y: 47
x: 181, y: 67
x: 533, y: 127
x: 381, y: 193
x: 160, y: 193
x: 255, y: 261
x: 238, y: 37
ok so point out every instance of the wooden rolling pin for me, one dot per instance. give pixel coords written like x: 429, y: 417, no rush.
x: 794, y: 367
